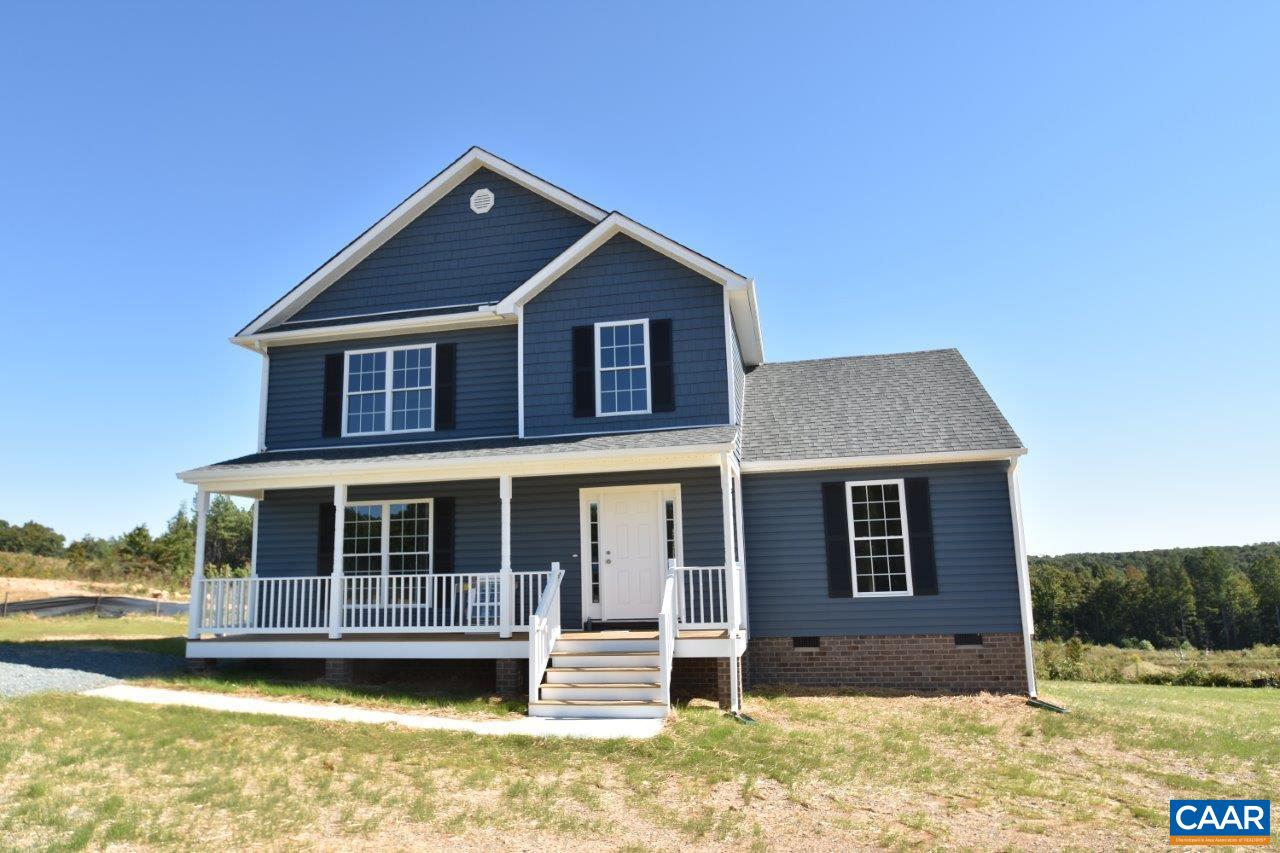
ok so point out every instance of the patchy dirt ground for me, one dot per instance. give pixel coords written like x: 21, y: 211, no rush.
x: 24, y: 589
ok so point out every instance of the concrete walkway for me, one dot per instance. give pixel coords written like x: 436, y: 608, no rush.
x: 531, y: 726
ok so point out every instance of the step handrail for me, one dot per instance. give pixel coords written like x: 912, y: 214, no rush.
x: 544, y: 630
x: 667, y: 631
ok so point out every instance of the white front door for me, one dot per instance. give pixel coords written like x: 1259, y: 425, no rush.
x: 632, y: 553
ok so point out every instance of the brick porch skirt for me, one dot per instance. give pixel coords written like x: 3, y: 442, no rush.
x: 900, y: 662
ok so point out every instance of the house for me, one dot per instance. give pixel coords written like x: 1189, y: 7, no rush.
x: 506, y: 427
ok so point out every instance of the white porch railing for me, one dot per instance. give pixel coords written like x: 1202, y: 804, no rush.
x: 261, y: 605
x: 704, y: 595
x: 420, y: 603
x: 544, y: 630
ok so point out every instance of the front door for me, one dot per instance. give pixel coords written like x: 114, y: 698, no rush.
x: 632, y: 553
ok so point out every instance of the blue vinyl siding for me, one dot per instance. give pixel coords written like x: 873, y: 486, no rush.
x: 451, y: 256
x: 544, y: 523
x: 486, y: 388
x: 287, y: 532
x: 973, y: 538
x: 625, y: 280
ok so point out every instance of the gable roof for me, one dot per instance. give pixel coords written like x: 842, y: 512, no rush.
x: 404, y: 213
x: 913, y: 404
x: 741, y: 290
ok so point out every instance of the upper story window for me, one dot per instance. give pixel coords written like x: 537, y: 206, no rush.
x: 622, y: 368
x: 389, y: 390
x: 878, y: 537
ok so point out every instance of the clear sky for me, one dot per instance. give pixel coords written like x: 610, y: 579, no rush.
x: 1084, y: 198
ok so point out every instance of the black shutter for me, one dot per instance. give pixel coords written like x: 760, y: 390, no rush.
x: 661, y: 366
x: 324, y: 539
x: 924, y: 567
x: 332, y: 395
x: 584, y: 371
x: 835, y: 522
x: 446, y: 380
x: 443, y: 530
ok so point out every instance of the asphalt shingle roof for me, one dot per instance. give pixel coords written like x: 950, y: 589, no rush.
x: 427, y: 452
x: 913, y: 402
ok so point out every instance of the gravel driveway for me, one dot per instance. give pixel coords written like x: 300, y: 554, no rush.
x: 32, y: 668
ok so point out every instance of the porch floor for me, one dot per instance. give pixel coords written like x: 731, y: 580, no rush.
x: 698, y: 643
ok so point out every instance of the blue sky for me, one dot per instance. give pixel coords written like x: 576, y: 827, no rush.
x: 1084, y: 198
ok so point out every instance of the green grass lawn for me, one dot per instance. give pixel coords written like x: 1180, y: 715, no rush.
x: 817, y: 772
x: 814, y: 772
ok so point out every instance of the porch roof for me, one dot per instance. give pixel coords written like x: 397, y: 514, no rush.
x: 477, y: 457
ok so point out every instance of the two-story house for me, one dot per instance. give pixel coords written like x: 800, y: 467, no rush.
x: 506, y: 426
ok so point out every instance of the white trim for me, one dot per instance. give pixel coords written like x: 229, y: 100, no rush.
x: 253, y: 543
x: 354, y: 331
x: 365, y: 647
x: 596, y: 494
x: 905, y: 536
x: 388, y: 391
x: 599, y: 371
x: 404, y: 213
x: 886, y: 460
x: 470, y: 306
x: 1024, y: 578
x: 384, y: 551
x: 504, y: 496
x: 520, y: 371
x: 251, y: 479
x: 616, y: 223
x: 263, y: 385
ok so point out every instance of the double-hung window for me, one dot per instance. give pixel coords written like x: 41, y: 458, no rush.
x: 622, y: 368
x: 389, y: 390
x: 387, y: 538
x: 881, y: 552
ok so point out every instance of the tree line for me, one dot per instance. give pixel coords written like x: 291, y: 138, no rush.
x: 1212, y: 598
x: 137, y: 554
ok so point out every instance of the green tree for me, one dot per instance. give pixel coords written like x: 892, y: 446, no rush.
x: 31, y: 538
x: 1239, y: 605
x: 1264, y: 573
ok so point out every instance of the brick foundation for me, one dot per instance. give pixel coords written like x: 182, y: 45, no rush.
x: 511, y: 677
x: 902, y: 662
x: 339, y: 671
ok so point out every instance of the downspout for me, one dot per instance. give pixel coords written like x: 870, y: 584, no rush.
x: 1024, y: 579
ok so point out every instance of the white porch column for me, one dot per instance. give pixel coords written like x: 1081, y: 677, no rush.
x: 336, y: 583
x: 195, y: 611
x: 506, y: 583
x: 742, y: 548
x: 731, y: 591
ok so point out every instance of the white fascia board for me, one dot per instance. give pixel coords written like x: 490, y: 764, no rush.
x: 285, y: 475
x: 885, y: 461
x: 746, y: 321
x: 741, y: 290
x: 402, y: 326
x: 404, y: 213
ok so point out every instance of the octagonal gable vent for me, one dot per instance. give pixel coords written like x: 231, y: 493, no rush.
x: 482, y: 201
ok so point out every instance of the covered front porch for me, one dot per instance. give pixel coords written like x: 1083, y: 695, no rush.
x: 463, y: 561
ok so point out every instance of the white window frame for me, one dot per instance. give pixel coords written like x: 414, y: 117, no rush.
x: 386, y: 532
x: 388, y: 391
x: 906, y: 536
x: 648, y: 374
